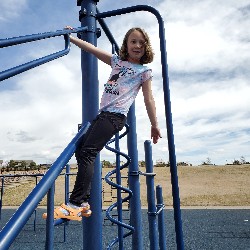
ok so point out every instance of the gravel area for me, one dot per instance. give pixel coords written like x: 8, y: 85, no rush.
x: 211, y: 229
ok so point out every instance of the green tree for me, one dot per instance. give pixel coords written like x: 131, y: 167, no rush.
x: 106, y: 164
x: 23, y: 165
x: 32, y: 165
x: 11, y: 166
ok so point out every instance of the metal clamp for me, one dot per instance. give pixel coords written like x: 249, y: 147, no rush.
x: 83, y: 13
x: 152, y: 213
x: 160, y: 207
x: 147, y: 174
x: 133, y: 173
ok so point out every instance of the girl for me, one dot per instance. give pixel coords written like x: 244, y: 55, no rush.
x: 128, y: 75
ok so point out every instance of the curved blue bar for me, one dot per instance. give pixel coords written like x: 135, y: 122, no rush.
x: 121, y: 188
x: 129, y: 10
x: 31, y: 38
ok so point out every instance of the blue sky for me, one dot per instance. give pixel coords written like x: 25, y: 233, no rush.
x: 208, y: 57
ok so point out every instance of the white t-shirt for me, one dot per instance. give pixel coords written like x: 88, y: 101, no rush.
x: 123, y: 85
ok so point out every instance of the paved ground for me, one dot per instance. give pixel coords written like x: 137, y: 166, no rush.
x: 203, y: 229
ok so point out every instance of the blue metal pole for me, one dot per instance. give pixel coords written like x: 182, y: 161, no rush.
x: 134, y: 182
x: 67, y: 177
x: 92, y: 226
x: 49, y: 244
x: 67, y: 183
x: 153, y: 236
x: 35, y: 212
x: 161, y: 224
x: 1, y: 196
x: 119, y: 193
x: 171, y: 146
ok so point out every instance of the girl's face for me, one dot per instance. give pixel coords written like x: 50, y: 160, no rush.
x: 135, y: 46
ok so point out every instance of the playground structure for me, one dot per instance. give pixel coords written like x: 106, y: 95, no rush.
x: 92, y: 227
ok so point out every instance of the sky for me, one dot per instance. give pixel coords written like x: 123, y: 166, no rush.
x: 208, y: 55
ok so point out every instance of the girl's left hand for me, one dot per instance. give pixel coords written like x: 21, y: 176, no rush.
x: 155, y: 134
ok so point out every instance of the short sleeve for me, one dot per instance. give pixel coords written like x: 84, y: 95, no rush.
x: 114, y: 60
x: 146, y: 75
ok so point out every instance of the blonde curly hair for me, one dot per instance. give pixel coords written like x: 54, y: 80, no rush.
x: 149, y: 54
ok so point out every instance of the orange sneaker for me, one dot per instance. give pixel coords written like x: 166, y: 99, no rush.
x: 67, y: 212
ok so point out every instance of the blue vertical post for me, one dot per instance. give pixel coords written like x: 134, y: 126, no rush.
x: 49, y: 244
x: 66, y: 196
x: 92, y: 226
x: 34, y: 223
x: 161, y: 223
x: 67, y: 177
x: 1, y: 196
x: 170, y: 136
x: 134, y: 182
x: 153, y: 235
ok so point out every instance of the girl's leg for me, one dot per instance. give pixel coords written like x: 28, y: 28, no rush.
x: 99, y: 133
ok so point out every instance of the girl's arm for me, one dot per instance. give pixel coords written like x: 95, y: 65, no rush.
x: 88, y: 47
x: 151, y: 110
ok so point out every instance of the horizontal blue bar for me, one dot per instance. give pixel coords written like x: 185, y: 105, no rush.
x: 34, y: 37
x: 37, y: 62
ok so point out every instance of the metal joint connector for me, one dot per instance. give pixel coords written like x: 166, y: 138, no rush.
x: 160, y: 207
x: 133, y: 173
x: 84, y: 13
x: 152, y: 213
x: 147, y: 174
x: 91, y: 29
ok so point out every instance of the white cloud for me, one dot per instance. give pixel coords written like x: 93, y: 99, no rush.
x: 44, y: 108
x: 10, y: 9
x: 208, y: 57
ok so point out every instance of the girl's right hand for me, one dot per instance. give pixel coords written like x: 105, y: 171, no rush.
x: 69, y: 28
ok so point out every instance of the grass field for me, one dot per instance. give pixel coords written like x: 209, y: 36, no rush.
x: 199, y: 186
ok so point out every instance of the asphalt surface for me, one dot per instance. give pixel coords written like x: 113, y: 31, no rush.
x: 203, y: 229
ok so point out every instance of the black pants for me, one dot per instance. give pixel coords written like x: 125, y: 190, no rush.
x: 101, y: 130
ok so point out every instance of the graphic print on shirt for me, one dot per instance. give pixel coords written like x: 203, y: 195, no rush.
x: 112, y: 86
